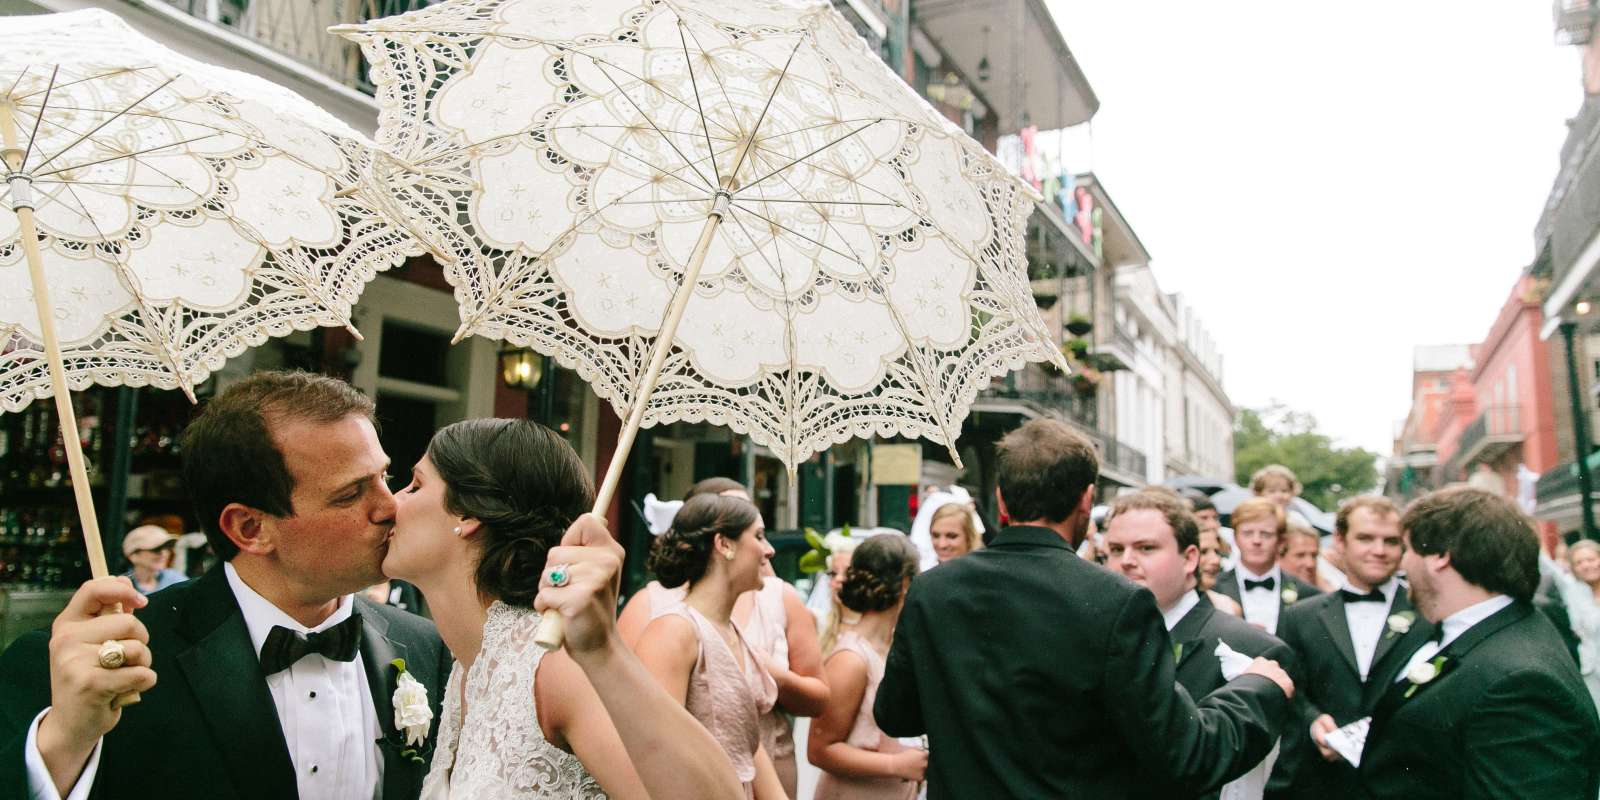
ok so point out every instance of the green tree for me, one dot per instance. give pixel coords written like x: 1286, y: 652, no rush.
x: 1280, y: 435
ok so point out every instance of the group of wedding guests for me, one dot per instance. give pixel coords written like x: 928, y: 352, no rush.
x: 965, y: 669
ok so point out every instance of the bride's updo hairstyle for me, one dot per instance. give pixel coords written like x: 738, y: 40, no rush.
x: 524, y: 483
x: 682, y: 554
x: 878, y: 571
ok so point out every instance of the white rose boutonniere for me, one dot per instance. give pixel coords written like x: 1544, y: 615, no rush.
x: 1423, y: 672
x: 1289, y: 595
x: 1400, y: 624
x: 412, y: 715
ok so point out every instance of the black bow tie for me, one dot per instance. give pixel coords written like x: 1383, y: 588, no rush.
x: 1269, y: 583
x: 1374, y: 596
x: 284, y: 647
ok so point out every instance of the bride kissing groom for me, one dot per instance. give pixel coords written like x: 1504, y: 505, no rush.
x: 271, y: 676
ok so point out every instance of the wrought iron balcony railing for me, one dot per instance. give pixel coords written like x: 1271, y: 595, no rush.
x: 1124, y: 457
x: 1051, y: 393
x: 1496, y: 428
x: 299, y: 28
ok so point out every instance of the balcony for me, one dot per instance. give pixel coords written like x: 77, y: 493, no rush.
x: 1557, y: 493
x: 298, y: 29
x: 1122, y: 462
x: 1495, y: 431
x: 1013, y: 56
x: 1033, y: 392
x: 1574, y: 21
x: 1116, y: 350
x: 1571, y: 214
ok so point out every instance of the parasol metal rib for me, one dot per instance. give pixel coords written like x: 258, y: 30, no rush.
x: 33, y: 135
x: 657, y: 129
x: 105, y: 122
x: 716, y: 172
x: 733, y: 175
x: 120, y: 156
x: 812, y: 153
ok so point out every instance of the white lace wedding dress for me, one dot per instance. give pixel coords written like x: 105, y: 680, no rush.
x: 495, y: 749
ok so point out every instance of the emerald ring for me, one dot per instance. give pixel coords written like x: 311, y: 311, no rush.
x: 560, y: 575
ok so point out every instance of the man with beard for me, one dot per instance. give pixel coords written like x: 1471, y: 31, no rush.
x: 1494, y: 707
x: 1349, y: 645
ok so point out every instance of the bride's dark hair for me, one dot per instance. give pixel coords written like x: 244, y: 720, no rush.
x: 524, y: 483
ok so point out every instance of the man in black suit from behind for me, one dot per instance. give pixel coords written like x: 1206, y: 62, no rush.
x: 1261, y: 587
x: 1153, y: 540
x: 1495, y: 708
x: 276, y: 675
x: 1349, y: 645
x: 1036, y: 674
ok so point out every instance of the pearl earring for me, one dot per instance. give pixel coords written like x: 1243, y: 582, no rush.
x: 457, y: 530
x: 728, y: 555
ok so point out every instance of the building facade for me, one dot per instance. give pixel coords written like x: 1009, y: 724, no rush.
x: 1438, y: 374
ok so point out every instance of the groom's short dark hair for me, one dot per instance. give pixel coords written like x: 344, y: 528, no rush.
x: 1044, y: 469
x: 228, y: 452
x: 1490, y: 541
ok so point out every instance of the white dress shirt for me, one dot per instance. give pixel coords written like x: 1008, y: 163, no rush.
x: 1261, y: 605
x: 1366, y: 622
x: 1180, y: 609
x: 1455, y: 625
x: 325, y: 708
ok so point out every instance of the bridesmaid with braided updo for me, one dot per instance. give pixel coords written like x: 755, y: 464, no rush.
x: 717, y: 547
x: 858, y: 761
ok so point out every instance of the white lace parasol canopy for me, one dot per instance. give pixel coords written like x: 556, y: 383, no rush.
x: 185, y: 212
x: 868, y: 275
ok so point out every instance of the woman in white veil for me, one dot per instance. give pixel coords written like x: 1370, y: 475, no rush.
x: 922, y: 526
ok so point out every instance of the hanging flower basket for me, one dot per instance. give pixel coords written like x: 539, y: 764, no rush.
x: 1079, y: 325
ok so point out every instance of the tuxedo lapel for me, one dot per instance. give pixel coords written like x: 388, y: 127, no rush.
x: 222, y: 668
x: 1332, y: 617
x: 402, y: 777
x: 1189, y: 642
x: 1452, y: 653
x: 1389, y: 638
x: 1228, y: 584
x: 378, y: 651
x: 1464, y: 643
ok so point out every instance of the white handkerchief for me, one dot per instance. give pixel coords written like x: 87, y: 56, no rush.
x: 1350, y: 740
x: 659, y: 513
x: 1234, y: 663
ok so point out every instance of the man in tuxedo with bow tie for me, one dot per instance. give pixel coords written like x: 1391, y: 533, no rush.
x: 1349, y: 646
x: 1153, y: 540
x: 1257, y: 583
x: 276, y: 674
x: 1492, y: 707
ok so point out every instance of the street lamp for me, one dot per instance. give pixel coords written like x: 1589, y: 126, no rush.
x: 1580, y: 424
x: 521, y: 368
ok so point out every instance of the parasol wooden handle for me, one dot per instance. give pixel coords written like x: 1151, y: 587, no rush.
x: 22, y: 204
x: 550, y: 634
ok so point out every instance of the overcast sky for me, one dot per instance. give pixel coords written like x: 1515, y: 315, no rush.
x: 1329, y: 184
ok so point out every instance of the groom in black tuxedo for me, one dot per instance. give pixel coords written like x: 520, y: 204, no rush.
x: 276, y: 678
x: 1349, y: 646
x: 1494, y: 707
x: 1036, y: 674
